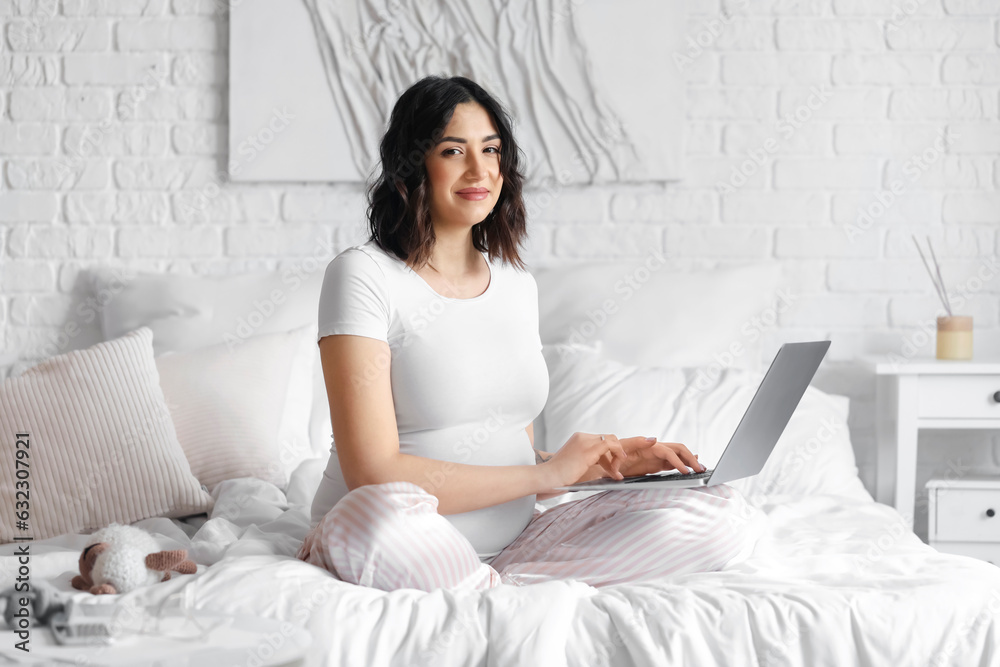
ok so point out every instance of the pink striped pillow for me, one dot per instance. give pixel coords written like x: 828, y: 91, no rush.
x: 101, y: 444
x: 239, y: 412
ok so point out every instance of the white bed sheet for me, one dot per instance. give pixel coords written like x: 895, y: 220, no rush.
x: 833, y: 581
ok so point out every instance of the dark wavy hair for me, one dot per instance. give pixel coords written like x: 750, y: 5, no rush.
x: 399, y: 197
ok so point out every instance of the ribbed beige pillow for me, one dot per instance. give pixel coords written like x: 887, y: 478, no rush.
x: 101, y: 443
x: 239, y: 410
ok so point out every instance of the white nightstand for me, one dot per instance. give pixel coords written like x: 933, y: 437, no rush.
x: 929, y: 394
x: 963, y: 516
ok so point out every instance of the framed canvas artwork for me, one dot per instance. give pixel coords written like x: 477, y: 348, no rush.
x: 592, y: 86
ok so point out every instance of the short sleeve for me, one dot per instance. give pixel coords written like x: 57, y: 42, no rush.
x: 354, y: 299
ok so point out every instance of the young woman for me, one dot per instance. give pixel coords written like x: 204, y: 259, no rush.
x: 434, y: 370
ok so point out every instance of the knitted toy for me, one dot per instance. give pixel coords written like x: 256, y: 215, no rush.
x: 120, y: 558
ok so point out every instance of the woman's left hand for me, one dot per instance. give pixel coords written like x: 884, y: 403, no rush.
x: 648, y: 456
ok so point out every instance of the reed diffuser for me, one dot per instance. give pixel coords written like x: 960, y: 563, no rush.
x: 954, y: 332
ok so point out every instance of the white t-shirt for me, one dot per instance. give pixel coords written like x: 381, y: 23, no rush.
x: 468, y: 375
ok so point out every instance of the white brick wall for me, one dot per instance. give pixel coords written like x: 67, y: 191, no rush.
x: 814, y: 113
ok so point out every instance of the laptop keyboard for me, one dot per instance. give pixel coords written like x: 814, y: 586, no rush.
x: 670, y: 475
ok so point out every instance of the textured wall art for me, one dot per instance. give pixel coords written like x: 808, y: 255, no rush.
x: 591, y: 84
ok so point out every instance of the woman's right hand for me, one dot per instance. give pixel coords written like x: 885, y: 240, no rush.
x: 580, y: 453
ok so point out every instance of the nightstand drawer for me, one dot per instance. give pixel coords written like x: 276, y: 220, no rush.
x: 982, y: 550
x: 958, y: 396
x: 963, y: 515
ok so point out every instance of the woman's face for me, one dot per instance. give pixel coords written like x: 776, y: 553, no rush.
x: 463, y: 169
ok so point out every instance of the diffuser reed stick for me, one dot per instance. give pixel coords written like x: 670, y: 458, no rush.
x: 938, y: 281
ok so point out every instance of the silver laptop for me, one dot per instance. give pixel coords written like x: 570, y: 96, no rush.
x: 762, y: 424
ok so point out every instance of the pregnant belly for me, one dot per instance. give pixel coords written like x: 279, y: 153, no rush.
x: 489, y: 529
x: 474, y: 445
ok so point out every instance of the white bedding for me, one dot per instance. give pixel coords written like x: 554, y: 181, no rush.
x: 833, y: 581
x: 836, y: 579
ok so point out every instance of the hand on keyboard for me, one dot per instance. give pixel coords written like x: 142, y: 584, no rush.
x: 645, y: 457
x: 671, y: 473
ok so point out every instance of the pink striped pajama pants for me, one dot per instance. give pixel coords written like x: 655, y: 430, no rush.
x: 390, y: 536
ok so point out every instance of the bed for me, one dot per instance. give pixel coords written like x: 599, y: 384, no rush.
x: 834, y: 581
x: 835, y: 578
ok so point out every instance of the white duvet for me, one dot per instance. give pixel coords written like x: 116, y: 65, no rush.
x: 833, y: 581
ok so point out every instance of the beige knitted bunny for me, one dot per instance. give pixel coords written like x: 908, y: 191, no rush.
x: 121, y: 558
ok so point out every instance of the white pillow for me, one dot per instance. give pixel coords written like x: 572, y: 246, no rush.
x: 188, y: 312
x: 593, y: 394
x: 305, y: 481
x: 646, y: 314
x: 101, y: 448
x: 233, y: 411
